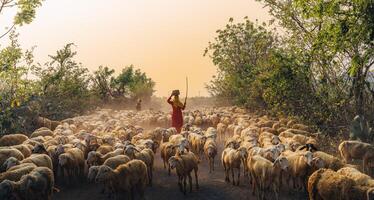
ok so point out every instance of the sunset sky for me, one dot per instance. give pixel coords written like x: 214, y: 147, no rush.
x: 164, y: 38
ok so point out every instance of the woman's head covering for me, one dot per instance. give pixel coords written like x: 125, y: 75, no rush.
x: 177, y: 102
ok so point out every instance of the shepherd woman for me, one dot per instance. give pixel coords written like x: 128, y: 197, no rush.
x: 178, y: 106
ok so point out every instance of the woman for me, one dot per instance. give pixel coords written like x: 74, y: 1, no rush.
x: 178, y: 106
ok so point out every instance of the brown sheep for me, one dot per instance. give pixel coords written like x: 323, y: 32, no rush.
x: 360, y: 178
x: 44, y: 133
x: 128, y: 177
x: 13, y: 139
x: 232, y: 159
x: 265, y: 174
x: 7, y: 153
x: 357, y: 150
x: 145, y: 155
x: 299, y: 165
x: 23, y: 148
x: 39, y: 184
x: 167, y: 150
x: 16, y: 174
x: 96, y: 158
x: 72, y: 163
x: 331, y: 161
x: 184, y: 164
x: 115, y: 161
x: 104, y: 149
x: 326, y: 184
x: 40, y: 160
x: 210, y: 150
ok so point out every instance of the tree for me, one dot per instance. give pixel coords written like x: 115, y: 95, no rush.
x: 102, y: 79
x: 64, y: 85
x: 16, y: 89
x: 26, y: 10
x: 336, y: 38
x: 240, y: 51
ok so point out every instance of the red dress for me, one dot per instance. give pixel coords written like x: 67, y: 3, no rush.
x: 176, y: 117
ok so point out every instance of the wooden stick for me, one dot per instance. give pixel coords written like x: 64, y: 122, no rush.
x: 185, y: 100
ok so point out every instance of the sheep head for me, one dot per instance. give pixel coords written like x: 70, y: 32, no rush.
x: 173, y: 162
x: 92, y: 158
x: 92, y: 173
x: 63, y: 159
x: 39, y: 148
x: 103, y: 174
x: 318, y: 163
x: 10, y: 162
x: 308, y: 157
x: 281, y: 162
x: 275, y: 140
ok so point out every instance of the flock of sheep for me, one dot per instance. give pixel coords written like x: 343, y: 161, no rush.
x: 117, y: 149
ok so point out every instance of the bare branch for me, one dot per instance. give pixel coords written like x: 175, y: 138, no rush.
x: 10, y: 29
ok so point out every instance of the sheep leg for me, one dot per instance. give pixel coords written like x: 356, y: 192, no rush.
x: 210, y: 164
x: 169, y: 169
x: 364, y: 165
x: 190, y: 181
x: 238, y: 177
x: 150, y: 175
x: 213, y: 163
x: 197, y: 181
x: 184, y: 184
x: 233, y: 176
x: 180, y: 179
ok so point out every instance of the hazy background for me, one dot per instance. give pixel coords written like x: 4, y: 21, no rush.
x: 164, y: 38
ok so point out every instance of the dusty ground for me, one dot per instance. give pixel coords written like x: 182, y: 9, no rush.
x: 212, y: 186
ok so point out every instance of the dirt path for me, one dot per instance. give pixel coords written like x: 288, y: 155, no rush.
x: 212, y: 186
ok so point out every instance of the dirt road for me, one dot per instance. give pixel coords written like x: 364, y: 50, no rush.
x: 212, y: 186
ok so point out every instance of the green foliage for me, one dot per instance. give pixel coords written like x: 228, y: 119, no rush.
x: 26, y: 11
x: 64, y: 85
x: 130, y: 83
x: 16, y: 88
x: 318, y: 68
x: 239, y: 51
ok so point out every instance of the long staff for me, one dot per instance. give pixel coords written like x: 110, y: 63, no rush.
x: 185, y: 100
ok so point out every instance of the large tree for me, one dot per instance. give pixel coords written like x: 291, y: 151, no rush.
x: 336, y: 38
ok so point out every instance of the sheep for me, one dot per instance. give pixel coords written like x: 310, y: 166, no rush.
x: 104, y: 149
x: 360, y: 178
x: 331, y: 161
x: 16, y: 174
x: 221, y: 130
x: 71, y: 163
x: 232, y: 159
x: 264, y: 174
x: 357, y: 150
x: 128, y: 177
x: 43, y: 132
x: 197, y: 142
x: 326, y: 184
x: 299, y: 164
x: 271, y: 153
x: 184, y: 164
x: 145, y: 155
x: 167, y: 150
x: 96, y: 158
x: 210, y: 150
x: 40, y: 160
x: 38, y: 184
x: 7, y: 153
x: 23, y: 148
x: 115, y: 161
x: 12, y: 139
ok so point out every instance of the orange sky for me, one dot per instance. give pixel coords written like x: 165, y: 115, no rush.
x: 164, y: 38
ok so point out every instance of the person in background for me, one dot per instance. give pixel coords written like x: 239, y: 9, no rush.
x: 139, y: 105
x: 178, y: 106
